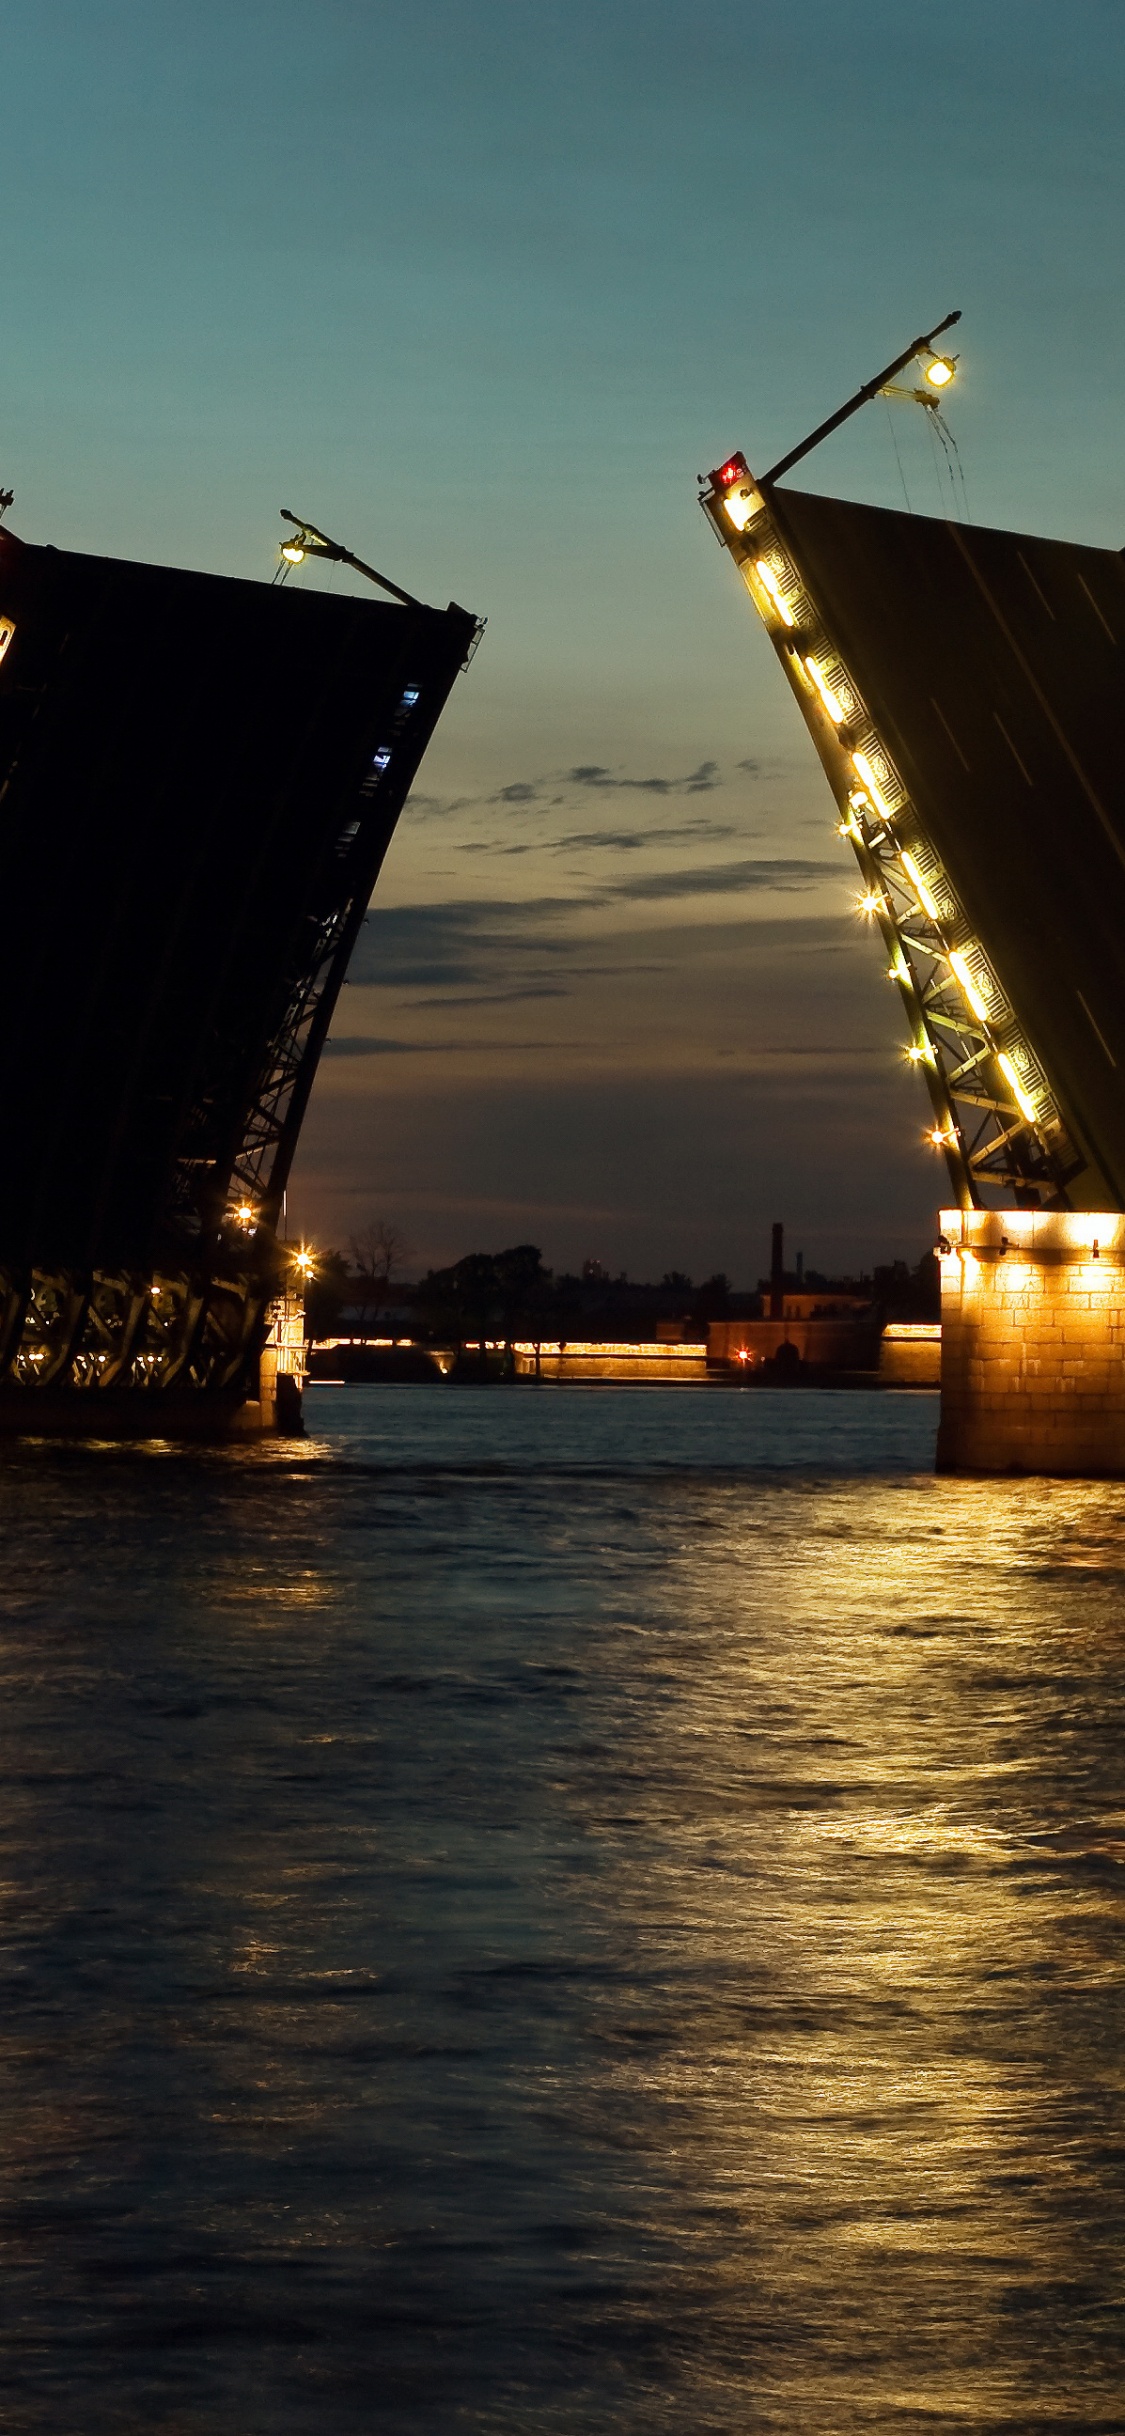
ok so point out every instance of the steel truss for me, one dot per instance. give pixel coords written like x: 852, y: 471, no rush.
x: 995, y: 1116
x: 251, y: 1175
x: 60, y: 1329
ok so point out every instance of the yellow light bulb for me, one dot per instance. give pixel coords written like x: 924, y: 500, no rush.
x: 940, y: 372
x: 924, y: 894
x: 960, y: 968
x: 768, y: 580
x: 741, y: 506
x: 1025, y: 1105
x: 831, y: 701
x: 293, y: 552
x: 862, y: 765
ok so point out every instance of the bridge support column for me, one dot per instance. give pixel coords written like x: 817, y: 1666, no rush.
x: 1033, y: 1342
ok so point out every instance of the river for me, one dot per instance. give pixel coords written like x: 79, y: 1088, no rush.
x: 562, y: 1909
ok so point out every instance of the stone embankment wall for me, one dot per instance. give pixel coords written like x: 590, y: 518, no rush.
x: 1033, y: 1342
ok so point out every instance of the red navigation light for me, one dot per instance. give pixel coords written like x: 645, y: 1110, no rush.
x: 735, y: 470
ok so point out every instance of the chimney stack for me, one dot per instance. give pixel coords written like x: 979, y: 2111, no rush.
x: 777, y: 1272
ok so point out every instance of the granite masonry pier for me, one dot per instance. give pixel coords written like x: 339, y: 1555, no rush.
x: 1033, y: 1342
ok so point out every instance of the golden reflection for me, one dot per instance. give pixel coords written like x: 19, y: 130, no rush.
x: 878, y: 1911
x: 265, y: 1588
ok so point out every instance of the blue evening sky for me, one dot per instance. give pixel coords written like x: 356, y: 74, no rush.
x: 481, y: 288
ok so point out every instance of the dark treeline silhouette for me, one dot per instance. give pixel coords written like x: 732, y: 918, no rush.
x: 510, y: 1294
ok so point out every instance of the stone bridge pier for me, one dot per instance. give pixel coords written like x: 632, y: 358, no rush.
x: 1033, y: 1342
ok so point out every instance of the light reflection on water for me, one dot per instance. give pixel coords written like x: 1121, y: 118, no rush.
x: 566, y: 1910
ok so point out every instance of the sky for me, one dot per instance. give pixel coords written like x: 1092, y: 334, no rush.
x: 480, y: 286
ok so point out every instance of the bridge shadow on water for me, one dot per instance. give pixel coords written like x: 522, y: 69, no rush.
x: 568, y: 1910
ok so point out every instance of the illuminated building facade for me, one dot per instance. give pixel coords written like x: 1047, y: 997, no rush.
x: 199, y: 778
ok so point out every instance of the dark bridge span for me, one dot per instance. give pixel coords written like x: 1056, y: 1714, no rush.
x: 199, y: 778
x: 965, y: 689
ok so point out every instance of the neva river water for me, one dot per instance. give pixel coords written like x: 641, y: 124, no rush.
x: 566, y: 1910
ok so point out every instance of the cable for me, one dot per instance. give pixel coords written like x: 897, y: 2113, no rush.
x: 898, y: 459
x: 953, y: 460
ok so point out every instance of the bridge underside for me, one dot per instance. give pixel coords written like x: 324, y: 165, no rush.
x: 126, y: 1351
x: 993, y: 667
x: 199, y: 779
x: 964, y: 690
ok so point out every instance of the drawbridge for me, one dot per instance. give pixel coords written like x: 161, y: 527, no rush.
x: 199, y: 779
x: 963, y: 688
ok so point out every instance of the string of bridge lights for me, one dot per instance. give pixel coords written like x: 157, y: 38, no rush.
x: 876, y: 803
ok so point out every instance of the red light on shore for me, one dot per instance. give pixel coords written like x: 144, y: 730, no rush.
x: 735, y: 470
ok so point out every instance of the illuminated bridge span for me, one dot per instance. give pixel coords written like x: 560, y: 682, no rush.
x: 964, y: 691
x: 199, y: 778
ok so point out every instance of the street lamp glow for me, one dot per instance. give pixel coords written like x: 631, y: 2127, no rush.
x: 293, y: 552
x: 940, y: 371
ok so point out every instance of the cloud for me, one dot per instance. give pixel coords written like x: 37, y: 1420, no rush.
x: 462, y: 944
x: 613, y: 841
x: 544, y: 792
x: 498, y: 998
x: 364, y: 1044
x: 439, y: 807
x: 594, y: 774
x: 361, y: 1044
x: 522, y: 944
x: 627, y: 841
x: 722, y: 879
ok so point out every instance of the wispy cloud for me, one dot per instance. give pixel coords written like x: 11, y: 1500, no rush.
x: 365, y: 1044
x: 550, y: 790
x: 609, y: 841
x: 752, y: 873
x: 507, y: 948
x: 629, y: 841
x: 498, y: 998
x: 594, y: 774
